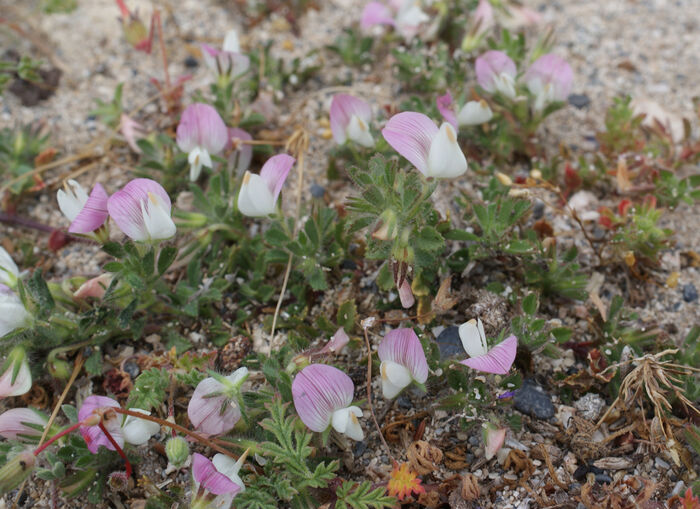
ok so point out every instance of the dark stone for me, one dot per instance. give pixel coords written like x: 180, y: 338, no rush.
x: 603, y: 479
x: 579, y: 101
x: 449, y: 343
x: 132, y: 369
x: 538, y: 210
x: 473, y: 441
x: 531, y: 400
x: 580, y: 472
x: 359, y: 448
x: 404, y: 402
x: 191, y: 62
x: 348, y: 264
x: 690, y: 293
x: 317, y: 191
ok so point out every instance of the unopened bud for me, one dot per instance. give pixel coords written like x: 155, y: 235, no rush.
x: 59, y: 369
x: 118, y: 481
x: 135, y: 33
x: 177, y: 451
x: 91, y: 420
x: 504, y: 179
x: 536, y: 174
x: 16, y: 470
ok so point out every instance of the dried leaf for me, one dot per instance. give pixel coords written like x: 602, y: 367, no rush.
x: 443, y: 300
x: 470, y: 487
x: 423, y: 457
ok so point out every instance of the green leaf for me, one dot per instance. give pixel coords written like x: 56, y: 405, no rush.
x: 39, y: 291
x: 125, y: 316
x: 461, y: 235
x: 166, y: 258
x: 530, y: 304
x: 562, y: 334
x: 347, y: 314
x: 150, y: 389
x: 93, y: 364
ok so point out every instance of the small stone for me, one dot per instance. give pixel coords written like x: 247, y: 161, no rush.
x: 579, y: 101
x: 449, y: 343
x: 532, y: 400
x: 132, y: 369
x: 348, y: 264
x: 661, y: 464
x: 590, y: 406
x: 317, y: 191
x: 191, y: 62
x: 690, y: 293
x: 678, y: 489
x: 538, y: 209
x: 359, y: 448
x: 404, y: 402
x: 603, y: 479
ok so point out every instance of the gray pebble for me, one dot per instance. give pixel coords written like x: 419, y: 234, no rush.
x: 690, y: 293
x: 532, y: 400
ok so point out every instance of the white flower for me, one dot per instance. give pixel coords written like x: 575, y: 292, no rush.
x: 8, y: 269
x: 71, y: 200
x: 474, y: 113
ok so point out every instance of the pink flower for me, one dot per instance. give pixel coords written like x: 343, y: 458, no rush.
x: 481, y: 22
x: 16, y: 379
x: 403, y: 361
x: 497, y: 360
x: 337, y: 342
x: 472, y: 113
x: 445, y: 106
x: 94, y: 287
x: 26, y: 424
x: 213, y: 408
x: 201, y: 133
x: 376, y: 13
x: 227, y: 62
x: 86, y: 213
x: 124, y: 429
x: 208, y: 477
x: 259, y: 193
x: 406, y: 295
x: 496, y: 72
x: 350, y: 118
x: 322, y: 396
x: 142, y: 211
x: 405, y: 16
x: 242, y: 152
x: 549, y: 79
x: 493, y: 439
x: 434, y: 152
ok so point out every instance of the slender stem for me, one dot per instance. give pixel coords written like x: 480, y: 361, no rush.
x: 116, y: 447
x: 261, y: 142
x: 76, y: 369
x: 164, y: 56
x: 369, y: 396
x: 281, y: 298
x: 176, y: 427
x: 57, y: 436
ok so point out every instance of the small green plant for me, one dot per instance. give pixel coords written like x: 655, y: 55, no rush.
x: 18, y: 149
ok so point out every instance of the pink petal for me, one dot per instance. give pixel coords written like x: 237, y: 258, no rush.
x: 243, y: 152
x: 125, y: 206
x: 483, y: 16
x: 446, y: 108
x: 13, y: 423
x: 93, y: 435
x: 491, y: 64
x: 94, y: 212
x: 209, y: 53
x: 274, y: 172
x: 94, y: 287
x: 132, y: 131
x: 318, y: 390
x: 337, y: 342
x: 343, y: 107
x: 406, y: 295
x: 212, y: 480
x: 411, y: 134
x: 213, y: 415
x: 402, y: 346
x: 498, y: 360
x: 494, y: 438
x: 201, y: 126
x: 552, y: 69
x: 376, y: 13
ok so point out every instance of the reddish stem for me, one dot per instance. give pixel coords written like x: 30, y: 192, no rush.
x: 116, y: 447
x: 56, y: 437
x: 156, y: 19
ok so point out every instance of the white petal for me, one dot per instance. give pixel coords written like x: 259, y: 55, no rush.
x: 395, y: 376
x: 505, y: 84
x: 231, y: 42
x: 156, y: 218
x: 255, y: 198
x: 544, y: 97
x: 8, y: 269
x: 474, y: 113
x: 229, y: 467
x: 197, y: 158
x: 358, y: 131
x: 72, y: 199
x: 137, y: 431
x: 473, y: 339
x: 446, y: 159
x: 238, y: 375
x: 345, y: 421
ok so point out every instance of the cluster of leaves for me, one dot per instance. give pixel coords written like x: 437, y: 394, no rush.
x: 18, y: 150
x: 26, y: 68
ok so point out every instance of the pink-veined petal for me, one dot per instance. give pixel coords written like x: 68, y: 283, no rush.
x: 212, y: 480
x: 490, y: 65
x: 411, y: 134
x: 244, y: 151
x: 406, y: 295
x: 274, y: 172
x: 201, y: 126
x: 445, y: 106
x: 209, y: 53
x: 337, y: 342
x: 319, y: 390
x: 213, y: 415
x: 551, y: 69
x: 376, y: 13
x: 343, y: 107
x: 402, y: 346
x: 498, y: 360
x: 94, y: 212
x: 93, y: 435
x: 14, y: 423
x: 95, y: 287
x: 125, y: 206
x: 493, y: 439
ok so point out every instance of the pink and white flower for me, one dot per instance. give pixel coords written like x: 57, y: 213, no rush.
x: 142, y: 211
x: 403, y: 361
x: 213, y: 408
x: 86, y: 213
x: 242, y: 153
x: 230, y: 467
x: 132, y: 131
x: 495, y: 72
x: 227, y: 62
x: 350, y: 118
x: 472, y: 113
x: 95, y: 287
x: 259, y: 193
x: 207, y: 477
x: 123, y: 428
x: 16, y: 379
x: 480, y: 24
x: 13, y: 314
x: 9, y: 272
x: 322, y: 397
x: 549, y: 79
x: 336, y: 343
x: 25, y: 424
x: 496, y: 360
x: 406, y: 16
x: 433, y: 151
x: 201, y: 133
x: 493, y: 440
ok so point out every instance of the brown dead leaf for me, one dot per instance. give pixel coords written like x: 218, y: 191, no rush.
x: 543, y: 229
x: 520, y: 463
x: 430, y: 499
x: 455, y: 458
x: 443, y: 300
x: 423, y: 457
x: 470, y: 489
x: 613, y: 463
x: 623, y: 176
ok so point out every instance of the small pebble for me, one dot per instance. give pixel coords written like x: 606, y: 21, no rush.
x: 317, y: 191
x: 661, y: 464
x: 531, y: 400
x: 579, y: 101
x: 603, y: 479
x: 449, y: 343
x: 590, y: 406
x: 359, y: 448
x: 191, y: 62
x: 690, y: 293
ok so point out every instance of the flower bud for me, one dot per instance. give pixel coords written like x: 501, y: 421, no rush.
x: 177, y: 451
x: 16, y: 470
x: 118, y: 481
x: 16, y: 379
x: 504, y: 179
